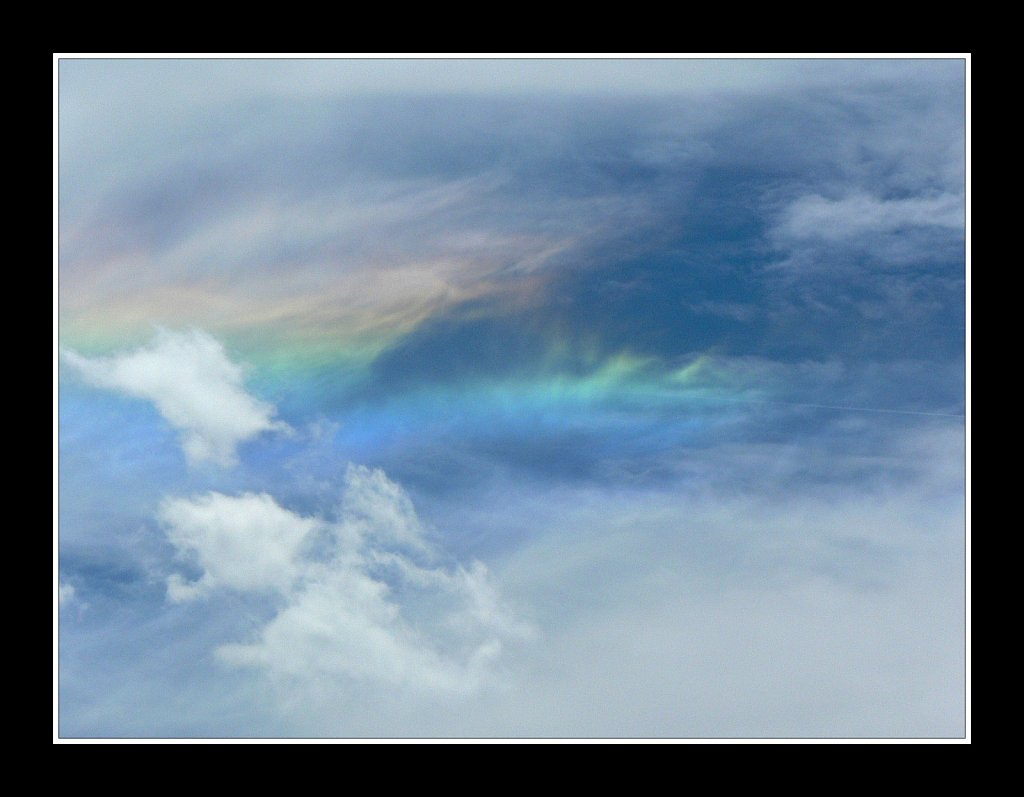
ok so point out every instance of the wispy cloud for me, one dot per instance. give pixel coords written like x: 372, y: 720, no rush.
x: 817, y: 217
x: 195, y: 387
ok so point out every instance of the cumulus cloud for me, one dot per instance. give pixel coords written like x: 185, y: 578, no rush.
x: 344, y: 624
x: 360, y: 599
x: 247, y: 542
x: 195, y: 387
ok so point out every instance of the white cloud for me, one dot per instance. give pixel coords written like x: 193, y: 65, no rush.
x: 377, y: 509
x: 700, y: 607
x: 832, y: 220
x: 345, y: 624
x: 359, y: 602
x: 65, y: 594
x: 683, y: 610
x: 195, y: 387
x: 246, y: 542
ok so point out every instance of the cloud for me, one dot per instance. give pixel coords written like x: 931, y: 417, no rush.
x: 378, y: 510
x: 343, y: 625
x: 65, y: 594
x: 195, y: 387
x: 780, y: 589
x: 685, y: 609
x: 698, y: 559
x: 355, y: 605
x: 246, y: 542
x: 360, y: 264
x: 779, y: 611
x: 384, y: 213
x: 859, y: 214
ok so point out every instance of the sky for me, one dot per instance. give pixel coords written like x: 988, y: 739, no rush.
x: 511, y: 398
